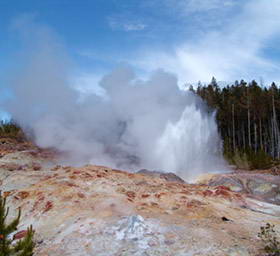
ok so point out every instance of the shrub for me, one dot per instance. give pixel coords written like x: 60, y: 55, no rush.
x: 259, y: 160
x: 12, y: 130
x: 249, y: 160
x: 270, y: 239
x: 8, y: 247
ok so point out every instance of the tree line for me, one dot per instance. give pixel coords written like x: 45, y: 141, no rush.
x: 248, y: 119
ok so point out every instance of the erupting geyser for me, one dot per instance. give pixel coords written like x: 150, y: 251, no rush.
x: 135, y: 124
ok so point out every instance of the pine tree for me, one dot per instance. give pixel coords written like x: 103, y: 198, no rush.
x: 8, y: 247
x: 248, y: 119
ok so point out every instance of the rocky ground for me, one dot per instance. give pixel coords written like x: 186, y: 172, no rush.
x: 96, y: 210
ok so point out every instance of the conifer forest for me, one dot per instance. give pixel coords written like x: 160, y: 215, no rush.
x: 248, y: 120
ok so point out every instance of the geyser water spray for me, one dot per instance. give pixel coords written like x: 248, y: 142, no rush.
x: 134, y: 124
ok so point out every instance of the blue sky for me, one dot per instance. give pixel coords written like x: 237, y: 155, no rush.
x: 194, y: 39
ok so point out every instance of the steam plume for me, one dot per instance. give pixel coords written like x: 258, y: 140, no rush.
x: 136, y: 123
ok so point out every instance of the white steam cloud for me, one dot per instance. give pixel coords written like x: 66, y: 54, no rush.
x: 136, y: 123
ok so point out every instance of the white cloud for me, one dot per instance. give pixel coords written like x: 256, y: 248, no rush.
x: 119, y: 23
x: 206, y: 5
x: 88, y: 83
x: 133, y: 27
x: 236, y: 51
x: 186, y: 7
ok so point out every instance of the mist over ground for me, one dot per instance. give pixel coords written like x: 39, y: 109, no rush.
x: 134, y: 124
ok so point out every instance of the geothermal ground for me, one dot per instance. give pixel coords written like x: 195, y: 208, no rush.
x: 96, y: 210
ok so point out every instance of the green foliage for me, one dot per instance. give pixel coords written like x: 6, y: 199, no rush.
x: 10, y: 129
x: 259, y: 160
x: 249, y: 160
x: 270, y: 239
x: 8, y: 247
x: 239, y: 159
x: 248, y: 118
